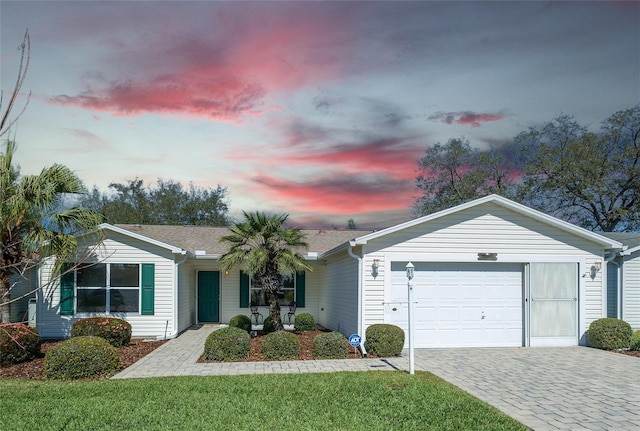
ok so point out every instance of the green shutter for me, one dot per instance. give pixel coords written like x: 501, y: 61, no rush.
x: 66, y: 291
x: 244, y: 290
x: 148, y: 288
x: 300, y: 277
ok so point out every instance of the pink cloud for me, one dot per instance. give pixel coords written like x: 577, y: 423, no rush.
x: 338, y: 195
x: 465, y: 118
x: 221, y: 74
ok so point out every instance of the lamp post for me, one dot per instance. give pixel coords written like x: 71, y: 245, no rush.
x: 410, y: 269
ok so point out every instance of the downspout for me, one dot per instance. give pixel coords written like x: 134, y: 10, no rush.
x: 174, y: 332
x: 360, y: 297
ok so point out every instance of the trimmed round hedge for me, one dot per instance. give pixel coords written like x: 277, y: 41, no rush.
x: 227, y: 344
x: 384, y: 340
x: 268, y: 326
x: 304, y: 322
x: 80, y: 357
x: 18, y: 343
x: 635, y: 341
x: 330, y: 345
x: 280, y: 345
x: 241, y: 321
x: 116, y: 331
x: 609, y: 334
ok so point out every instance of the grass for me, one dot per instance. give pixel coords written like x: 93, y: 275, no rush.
x: 334, y: 401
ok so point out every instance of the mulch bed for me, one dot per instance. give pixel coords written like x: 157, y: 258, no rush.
x: 32, y: 370
x: 138, y: 349
x: 306, y: 348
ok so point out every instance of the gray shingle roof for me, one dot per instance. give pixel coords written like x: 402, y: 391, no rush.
x: 192, y: 238
x: 630, y: 239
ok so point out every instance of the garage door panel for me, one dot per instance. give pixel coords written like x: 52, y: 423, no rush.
x: 461, y: 305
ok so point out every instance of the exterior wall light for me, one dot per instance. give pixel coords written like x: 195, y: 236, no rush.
x: 374, y: 267
x: 595, y: 268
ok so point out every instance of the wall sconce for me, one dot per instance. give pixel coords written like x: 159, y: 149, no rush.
x: 226, y: 272
x: 595, y: 268
x: 374, y: 267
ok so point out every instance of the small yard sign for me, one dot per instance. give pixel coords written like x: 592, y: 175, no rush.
x: 354, y: 340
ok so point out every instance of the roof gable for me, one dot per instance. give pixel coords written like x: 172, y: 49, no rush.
x: 503, y: 202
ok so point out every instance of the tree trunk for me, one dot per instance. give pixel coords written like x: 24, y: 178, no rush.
x: 274, y: 313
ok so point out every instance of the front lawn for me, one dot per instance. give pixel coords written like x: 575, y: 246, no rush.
x: 335, y: 401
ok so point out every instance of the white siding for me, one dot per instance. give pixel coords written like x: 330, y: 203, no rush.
x: 186, y: 297
x: 459, y: 237
x: 631, y: 290
x: 117, y: 249
x: 339, y: 295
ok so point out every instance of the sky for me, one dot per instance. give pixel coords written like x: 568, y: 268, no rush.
x: 317, y: 109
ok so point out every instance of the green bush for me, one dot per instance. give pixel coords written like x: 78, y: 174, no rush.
x: 18, y: 343
x: 227, y: 344
x: 304, y: 322
x: 116, y: 331
x: 609, y: 334
x: 80, y: 357
x: 267, y: 326
x: 384, y: 340
x: 241, y: 321
x: 280, y: 345
x: 330, y: 345
x: 635, y: 341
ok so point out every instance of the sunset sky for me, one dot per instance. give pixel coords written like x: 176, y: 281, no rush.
x: 318, y: 109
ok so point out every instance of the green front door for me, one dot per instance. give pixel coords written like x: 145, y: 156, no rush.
x: 208, y: 296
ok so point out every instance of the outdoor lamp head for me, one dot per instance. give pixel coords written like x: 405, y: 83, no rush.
x: 410, y: 268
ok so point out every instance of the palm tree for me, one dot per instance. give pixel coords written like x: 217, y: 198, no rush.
x: 33, y: 222
x: 266, y: 249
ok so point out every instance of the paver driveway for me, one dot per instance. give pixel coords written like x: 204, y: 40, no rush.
x: 574, y: 388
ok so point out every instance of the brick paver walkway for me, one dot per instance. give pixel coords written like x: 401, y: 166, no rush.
x: 574, y: 388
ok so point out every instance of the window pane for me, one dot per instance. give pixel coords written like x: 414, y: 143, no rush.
x: 285, y: 295
x: 93, y: 276
x: 258, y: 298
x: 125, y: 275
x: 123, y: 300
x: 92, y: 300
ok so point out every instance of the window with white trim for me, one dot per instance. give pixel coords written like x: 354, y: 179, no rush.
x: 108, y: 288
x: 286, y: 293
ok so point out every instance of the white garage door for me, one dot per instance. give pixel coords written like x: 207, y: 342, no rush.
x: 460, y: 305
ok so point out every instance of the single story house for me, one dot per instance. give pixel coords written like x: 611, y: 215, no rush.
x: 490, y: 272
x: 623, y: 281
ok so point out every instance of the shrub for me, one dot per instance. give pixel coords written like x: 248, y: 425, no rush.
x: 384, y: 340
x: 304, y: 322
x: 241, y: 321
x: 116, y: 331
x: 79, y: 357
x: 227, y: 344
x: 330, y: 345
x: 280, y: 345
x: 18, y: 343
x: 609, y: 334
x: 267, y: 326
x: 635, y: 341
